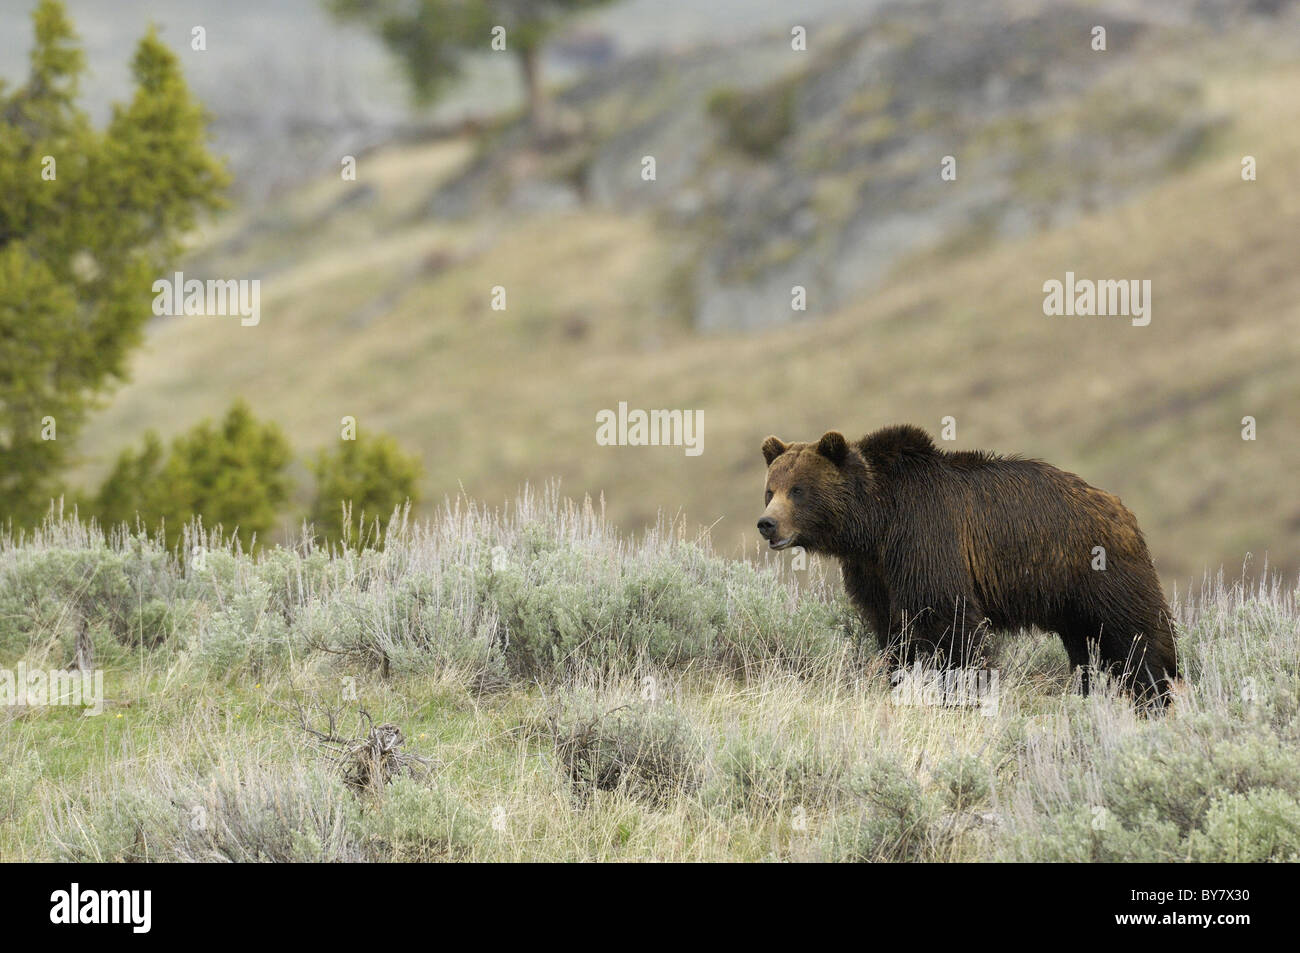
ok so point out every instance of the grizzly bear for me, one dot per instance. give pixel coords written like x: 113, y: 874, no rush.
x: 936, y: 546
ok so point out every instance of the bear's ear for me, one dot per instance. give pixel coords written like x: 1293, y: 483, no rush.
x: 833, y: 447
x: 773, y: 447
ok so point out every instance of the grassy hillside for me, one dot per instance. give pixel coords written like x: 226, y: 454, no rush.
x: 549, y: 690
x: 375, y: 308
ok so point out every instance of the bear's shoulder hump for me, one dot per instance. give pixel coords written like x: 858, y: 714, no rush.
x: 897, y: 443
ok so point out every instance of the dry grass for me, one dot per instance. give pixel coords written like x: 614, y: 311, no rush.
x: 771, y: 737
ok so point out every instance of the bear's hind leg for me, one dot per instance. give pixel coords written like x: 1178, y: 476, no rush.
x: 1149, y: 674
x: 1076, y: 647
x: 1139, y: 663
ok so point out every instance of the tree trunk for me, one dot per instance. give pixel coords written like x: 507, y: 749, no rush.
x: 84, y: 660
x: 530, y: 64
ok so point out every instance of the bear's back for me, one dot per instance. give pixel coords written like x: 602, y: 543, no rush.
x: 1000, y: 511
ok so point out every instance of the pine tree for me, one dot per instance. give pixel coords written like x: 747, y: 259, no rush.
x: 430, y: 36
x: 233, y: 475
x: 369, y: 475
x: 88, y: 220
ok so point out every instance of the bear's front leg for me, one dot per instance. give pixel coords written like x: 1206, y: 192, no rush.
x: 950, y: 633
x: 868, y: 593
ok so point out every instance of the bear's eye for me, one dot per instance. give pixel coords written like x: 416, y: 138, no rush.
x: 796, y: 492
x: 767, y: 497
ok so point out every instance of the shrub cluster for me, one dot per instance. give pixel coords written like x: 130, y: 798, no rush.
x: 541, y: 592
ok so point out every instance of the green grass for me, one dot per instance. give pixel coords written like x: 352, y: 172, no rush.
x: 577, y: 695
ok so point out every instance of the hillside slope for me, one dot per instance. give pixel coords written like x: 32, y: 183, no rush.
x: 374, y: 308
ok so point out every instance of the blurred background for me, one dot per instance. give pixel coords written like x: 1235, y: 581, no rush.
x: 783, y: 157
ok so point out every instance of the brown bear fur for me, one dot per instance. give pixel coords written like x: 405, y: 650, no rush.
x: 935, y: 544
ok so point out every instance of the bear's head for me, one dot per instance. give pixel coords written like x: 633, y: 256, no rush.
x: 812, y: 495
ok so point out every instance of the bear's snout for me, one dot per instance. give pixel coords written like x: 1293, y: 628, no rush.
x: 767, y: 527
